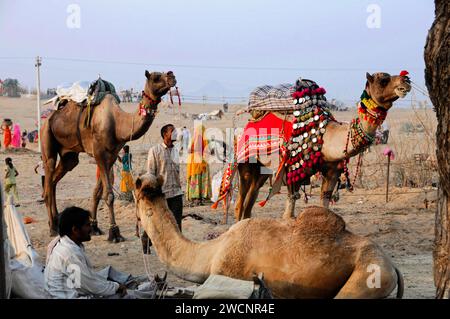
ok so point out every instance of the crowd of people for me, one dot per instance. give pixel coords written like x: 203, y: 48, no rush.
x: 13, y: 137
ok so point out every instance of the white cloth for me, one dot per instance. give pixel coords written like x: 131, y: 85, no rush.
x: 215, y: 185
x: 73, y: 91
x: 164, y: 161
x: 69, y: 274
x: 26, y: 271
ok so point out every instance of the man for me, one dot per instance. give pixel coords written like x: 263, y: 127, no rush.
x: 385, y: 129
x: 39, y: 169
x: 185, y: 137
x: 68, y: 273
x: 163, y: 160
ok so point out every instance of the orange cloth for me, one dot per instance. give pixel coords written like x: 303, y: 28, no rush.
x: 6, y: 137
x: 195, y: 161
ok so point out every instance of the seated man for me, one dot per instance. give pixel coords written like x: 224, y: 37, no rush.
x: 68, y: 273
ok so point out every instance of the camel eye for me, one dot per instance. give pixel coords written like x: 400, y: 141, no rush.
x: 384, y: 81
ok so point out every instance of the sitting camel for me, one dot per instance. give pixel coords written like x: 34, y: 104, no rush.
x: 311, y: 257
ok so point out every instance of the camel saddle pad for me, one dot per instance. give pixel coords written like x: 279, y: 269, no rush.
x: 271, y: 98
x: 222, y: 287
x: 81, y: 91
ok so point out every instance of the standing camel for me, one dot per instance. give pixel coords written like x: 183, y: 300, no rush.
x: 64, y: 134
x: 381, y: 91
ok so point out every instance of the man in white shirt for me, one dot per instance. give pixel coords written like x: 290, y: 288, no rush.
x: 69, y: 274
x: 163, y: 160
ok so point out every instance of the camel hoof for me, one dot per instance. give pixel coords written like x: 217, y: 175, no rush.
x: 114, y: 235
x: 95, y: 230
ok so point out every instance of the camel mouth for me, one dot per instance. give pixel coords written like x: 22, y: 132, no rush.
x: 402, y: 91
x: 171, y: 80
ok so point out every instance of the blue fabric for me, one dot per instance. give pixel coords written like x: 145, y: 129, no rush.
x: 126, y: 162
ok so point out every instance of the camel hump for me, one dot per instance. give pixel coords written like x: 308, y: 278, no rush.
x: 320, y: 219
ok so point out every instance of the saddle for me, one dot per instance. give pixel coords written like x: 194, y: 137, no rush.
x: 85, y: 95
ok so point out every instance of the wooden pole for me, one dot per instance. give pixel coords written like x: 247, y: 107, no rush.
x: 38, y: 98
x: 3, y: 293
x: 387, y: 177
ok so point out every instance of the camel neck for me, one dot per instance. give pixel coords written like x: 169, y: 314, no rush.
x: 173, y: 249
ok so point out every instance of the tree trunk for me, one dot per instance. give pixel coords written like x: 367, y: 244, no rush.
x: 437, y: 77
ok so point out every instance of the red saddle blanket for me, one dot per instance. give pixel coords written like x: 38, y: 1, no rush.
x: 260, y: 138
x: 263, y: 137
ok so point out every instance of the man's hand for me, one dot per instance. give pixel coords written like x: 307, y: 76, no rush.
x: 122, y: 290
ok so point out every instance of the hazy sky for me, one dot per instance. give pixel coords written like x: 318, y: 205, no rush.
x: 230, y: 46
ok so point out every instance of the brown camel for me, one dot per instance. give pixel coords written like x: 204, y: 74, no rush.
x: 311, y: 257
x: 65, y: 134
x: 382, y: 90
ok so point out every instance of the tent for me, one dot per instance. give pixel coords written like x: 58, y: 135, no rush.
x: 24, y: 271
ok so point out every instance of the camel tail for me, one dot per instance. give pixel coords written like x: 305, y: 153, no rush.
x: 400, y: 283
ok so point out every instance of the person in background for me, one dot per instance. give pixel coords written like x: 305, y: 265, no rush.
x: 198, y: 187
x: 185, y: 137
x: 16, y: 136
x: 6, y: 136
x: 39, y: 169
x: 24, y: 138
x: 162, y: 160
x: 126, y: 182
x: 385, y: 132
x: 10, y: 180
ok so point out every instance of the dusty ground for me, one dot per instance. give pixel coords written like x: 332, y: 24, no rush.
x: 403, y: 227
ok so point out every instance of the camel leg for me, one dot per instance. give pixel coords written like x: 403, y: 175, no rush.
x: 290, y: 205
x: 362, y: 283
x: 244, y: 185
x: 49, y: 157
x: 330, y: 179
x: 96, y: 196
x: 105, y: 166
x: 252, y: 194
x: 49, y: 196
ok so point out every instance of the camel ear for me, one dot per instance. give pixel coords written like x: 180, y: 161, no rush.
x: 147, y: 74
x: 138, y: 183
x: 369, y: 77
x: 160, y: 180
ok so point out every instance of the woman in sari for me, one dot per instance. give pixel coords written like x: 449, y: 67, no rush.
x: 126, y: 182
x: 198, y: 187
x: 6, y: 136
x: 16, y: 136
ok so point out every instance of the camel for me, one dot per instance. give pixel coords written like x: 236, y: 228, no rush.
x: 313, y: 256
x: 64, y: 134
x: 381, y: 90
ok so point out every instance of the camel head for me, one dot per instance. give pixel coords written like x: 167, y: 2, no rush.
x: 148, y: 188
x: 384, y: 88
x: 158, y: 84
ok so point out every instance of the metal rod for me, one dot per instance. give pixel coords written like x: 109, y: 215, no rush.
x: 38, y: 98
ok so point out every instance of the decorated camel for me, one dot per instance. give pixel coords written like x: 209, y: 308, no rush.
x: 311, y: 257
x: 65, y: 134
x: 314, y: 141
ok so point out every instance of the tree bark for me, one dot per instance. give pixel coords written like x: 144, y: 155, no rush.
x: 437, y: 77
